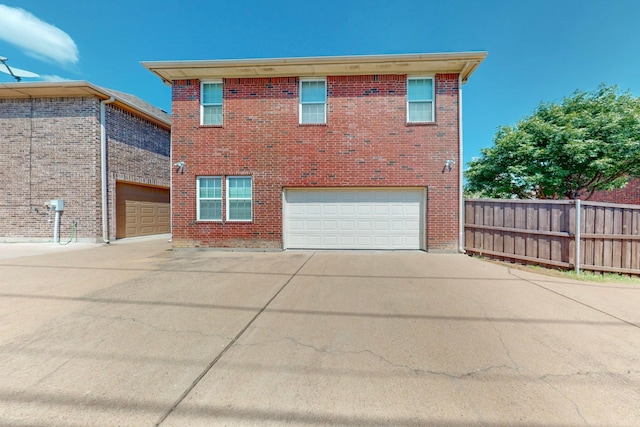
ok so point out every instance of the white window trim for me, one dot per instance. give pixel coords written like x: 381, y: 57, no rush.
x: 315, y: 79
x: 433, y: 98
x: 198, y: 198
x: 202, y: 104
x: 228, y: 198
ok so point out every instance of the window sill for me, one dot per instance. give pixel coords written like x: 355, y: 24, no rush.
x: 211, y: 126
x: 220, y: 221
x: 421, y: 123
x: 311, y: 124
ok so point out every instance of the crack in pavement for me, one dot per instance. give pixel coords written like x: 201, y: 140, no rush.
x: 154, y: 327
x: 568, y: 399
x: 417, y: 371
x: 546, y: 376
x: 516, y: 368
x: 495, y: 328
x: 52, y: 372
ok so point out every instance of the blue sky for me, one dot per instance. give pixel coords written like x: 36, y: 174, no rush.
x: 538, y: 50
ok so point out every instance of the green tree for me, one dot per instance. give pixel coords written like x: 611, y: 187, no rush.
x: 590, y: 141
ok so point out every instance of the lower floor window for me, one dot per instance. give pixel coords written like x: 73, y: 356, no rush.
x: 209, y: 189
x: 239, y: 198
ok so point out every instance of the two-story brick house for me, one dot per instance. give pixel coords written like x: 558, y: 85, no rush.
x: 359, y: 152
x: 103, y: 153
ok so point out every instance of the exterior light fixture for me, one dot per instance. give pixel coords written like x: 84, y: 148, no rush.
x: 180, y: 167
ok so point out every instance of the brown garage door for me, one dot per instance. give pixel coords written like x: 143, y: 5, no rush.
x: 141, y: 210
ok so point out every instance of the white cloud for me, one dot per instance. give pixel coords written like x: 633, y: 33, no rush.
x: 36, y: 37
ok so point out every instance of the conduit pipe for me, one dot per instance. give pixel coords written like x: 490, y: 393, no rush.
x: 103, y: 169
x: 56, y: 228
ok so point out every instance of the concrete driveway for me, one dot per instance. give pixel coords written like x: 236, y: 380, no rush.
x: 135, y: 334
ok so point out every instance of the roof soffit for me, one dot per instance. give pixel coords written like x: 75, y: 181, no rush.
x: 463, y: 63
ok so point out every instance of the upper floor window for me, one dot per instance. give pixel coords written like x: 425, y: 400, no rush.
x: 313, y: 101
x: 211, y: 103
x: 420, y: 99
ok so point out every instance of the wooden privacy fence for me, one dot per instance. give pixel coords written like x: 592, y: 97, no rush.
x: 604, y: 237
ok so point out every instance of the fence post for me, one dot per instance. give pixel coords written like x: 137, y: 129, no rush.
x: 577, y: 237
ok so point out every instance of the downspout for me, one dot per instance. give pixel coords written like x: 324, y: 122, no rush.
x: 460, y: 171
x: 103, y: 169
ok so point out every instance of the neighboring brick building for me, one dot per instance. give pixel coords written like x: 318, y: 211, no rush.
x: 629, y: 195
x: 330, y: 152
x: 51, y: 145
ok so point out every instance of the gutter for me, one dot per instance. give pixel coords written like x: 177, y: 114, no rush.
x: 460, y: 171
x: 103, y: 169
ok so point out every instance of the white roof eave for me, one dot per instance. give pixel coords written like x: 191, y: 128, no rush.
x: 463, y: 63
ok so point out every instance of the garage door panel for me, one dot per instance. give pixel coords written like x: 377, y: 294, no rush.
x: 297, y: 210
x: 148, y: 220
x: 347, y: 225
x: 381, y: 225
x: 296, y: 241
x: 313, y: 239
x: 364, y: 225
x: 353, y: 219
x: 330, y: 225
x: 381, y: 210
x: 382, y: 241
x: 397, y: 225
x: 396, y: 240
x: 412, y: 225
x: 329, y: 209
x: 347, y: 240
x: 363, y: 242
x: 349, y: 209
x: 397, y: 210
x: 314, y: 209
x: 296, y: 225
x: 313, y: 225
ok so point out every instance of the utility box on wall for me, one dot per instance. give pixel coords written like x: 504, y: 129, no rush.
x: 57, y: 205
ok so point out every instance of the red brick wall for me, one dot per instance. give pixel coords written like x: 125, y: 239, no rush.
x: 628, y: 195
x: 366, y: 142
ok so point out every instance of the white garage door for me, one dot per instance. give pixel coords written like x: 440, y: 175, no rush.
x: 353, y: 219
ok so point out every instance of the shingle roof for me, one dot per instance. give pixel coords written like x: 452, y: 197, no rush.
x: 140, y: 104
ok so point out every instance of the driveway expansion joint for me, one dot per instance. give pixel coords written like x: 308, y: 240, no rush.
x: 229, y: 345
x: 534, y: 283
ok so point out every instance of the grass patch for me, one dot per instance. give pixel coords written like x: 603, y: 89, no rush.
x: 585, y: 275
x: 591, y: 276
